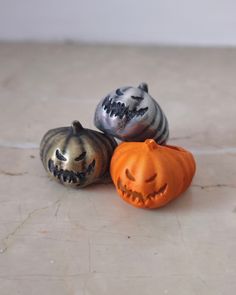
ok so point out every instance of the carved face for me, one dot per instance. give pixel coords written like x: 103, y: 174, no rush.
x: 69, y: 164
x: 148, y: 175
x: 131, y: 114
x: 72, y: 155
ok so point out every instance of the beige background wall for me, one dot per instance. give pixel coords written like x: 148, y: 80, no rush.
x: 191, y: 22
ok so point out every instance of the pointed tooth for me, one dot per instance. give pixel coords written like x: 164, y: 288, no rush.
x: 147, y: 202
x: 55, y: 171
x: 105, y: 101
x: 90, y: 167
x: 59, y: 173
x: 73, y: 177
x: 65, y: 175
x: 81, y: 175
x: 62, y: 177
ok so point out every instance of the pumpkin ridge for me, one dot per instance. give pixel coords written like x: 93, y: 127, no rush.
x: 164, y: 134
x: 174, y: 158
x: 81, y: 142
x: 109, y: 148
x: 135, y: 110
x: 183, y: 157
x: 121, y: 149
x: 192, y: 163
x: 169, y: 168
x: 107, y: 141
x: 185, y: 162
x: 123, y: 161
x: 139, y: 135
x: 51, y: 142
x: 47, y: 137
x: 160, y: 161
x: 102, y: 166
x: 68, y: 166
x: 160, y: 126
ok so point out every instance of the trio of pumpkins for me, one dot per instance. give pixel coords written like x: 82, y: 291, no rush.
x: 146, y: 172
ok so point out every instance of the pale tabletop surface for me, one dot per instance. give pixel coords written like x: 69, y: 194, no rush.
x: 55, y: 240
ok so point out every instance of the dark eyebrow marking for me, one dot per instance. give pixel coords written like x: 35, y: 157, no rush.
x: 129, y: 175
x: 137, y: 97
x: 151, y: 178
x: 119, y: 92
x: 81, y: 157
x: 60, y: 156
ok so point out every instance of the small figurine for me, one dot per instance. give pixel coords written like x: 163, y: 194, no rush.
x: 148, y: 175
x: 76, y: 156
x: 131, y: 114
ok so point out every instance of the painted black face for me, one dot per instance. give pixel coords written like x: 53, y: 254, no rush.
x: 118, y: 105
x: 69, y: 176
x: 131, y: 114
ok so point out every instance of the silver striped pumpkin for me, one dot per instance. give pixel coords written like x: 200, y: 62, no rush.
x: 131, y: 114
x: 76, y: 156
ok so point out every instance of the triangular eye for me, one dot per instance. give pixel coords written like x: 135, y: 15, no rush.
x: 81, y: 157
x: 60, y: 156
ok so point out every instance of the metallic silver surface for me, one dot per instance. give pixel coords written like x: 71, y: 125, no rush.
x: 131, y: 114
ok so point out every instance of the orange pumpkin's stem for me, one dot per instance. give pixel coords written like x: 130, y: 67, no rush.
x: 151, y: 144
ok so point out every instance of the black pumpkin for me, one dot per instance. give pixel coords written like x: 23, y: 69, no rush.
x: 76, y: 156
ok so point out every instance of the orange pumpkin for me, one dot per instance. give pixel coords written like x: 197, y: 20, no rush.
x: 148, y: 175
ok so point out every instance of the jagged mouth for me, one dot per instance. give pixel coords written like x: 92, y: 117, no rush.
x: 67, y: 176
x: 137, y: 197
x: 120, y: 110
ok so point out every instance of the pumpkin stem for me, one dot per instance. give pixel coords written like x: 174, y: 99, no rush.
x: 76, y: 126
x: 151, y: 144
x: 143, y: 86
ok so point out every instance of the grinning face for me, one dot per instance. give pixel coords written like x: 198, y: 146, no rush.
x: 124, y: 105
x: 61, y: 166
x: 144, y: 193
x: 125, y: 111
x: 71, y: 166
x: 148, y: 175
